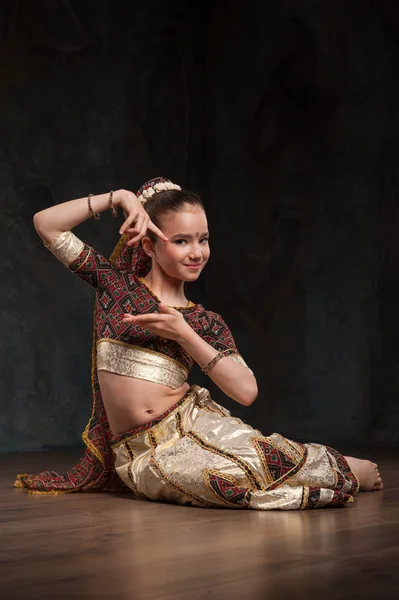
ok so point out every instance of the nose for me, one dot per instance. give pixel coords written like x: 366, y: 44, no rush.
x: 195, y: 252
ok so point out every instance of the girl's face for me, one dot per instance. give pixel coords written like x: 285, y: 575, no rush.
x: 186, y: 252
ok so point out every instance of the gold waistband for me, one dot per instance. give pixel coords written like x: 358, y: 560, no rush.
x: 133, y: 361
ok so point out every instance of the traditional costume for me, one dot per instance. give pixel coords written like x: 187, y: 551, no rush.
x: 195, y: 453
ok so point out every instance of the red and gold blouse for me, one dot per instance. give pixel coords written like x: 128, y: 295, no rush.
x: 128, y: 349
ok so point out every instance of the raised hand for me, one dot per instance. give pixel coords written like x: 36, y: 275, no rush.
x: 137, y: 220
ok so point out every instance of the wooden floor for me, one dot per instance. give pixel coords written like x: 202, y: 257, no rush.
x: 104, y: 546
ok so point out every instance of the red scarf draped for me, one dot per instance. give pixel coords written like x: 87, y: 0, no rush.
x: 95, y: 470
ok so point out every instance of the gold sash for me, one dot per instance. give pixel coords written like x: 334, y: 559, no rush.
x: 134, y: 361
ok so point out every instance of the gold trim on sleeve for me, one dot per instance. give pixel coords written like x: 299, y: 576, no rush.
x: 66, y: 247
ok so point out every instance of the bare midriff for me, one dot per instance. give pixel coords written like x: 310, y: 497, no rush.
x: 131, y: 402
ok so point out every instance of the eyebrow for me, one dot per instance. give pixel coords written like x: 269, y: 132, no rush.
x: 188, y: 235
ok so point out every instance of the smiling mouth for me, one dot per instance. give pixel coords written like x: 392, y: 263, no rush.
x: 197, y: 266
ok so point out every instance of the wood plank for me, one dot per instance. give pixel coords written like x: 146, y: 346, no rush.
x: 112, y: 546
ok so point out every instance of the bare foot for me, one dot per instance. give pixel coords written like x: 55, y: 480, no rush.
x: 367, y: 473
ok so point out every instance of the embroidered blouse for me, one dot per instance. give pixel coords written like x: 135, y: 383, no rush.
x: 131, y: 350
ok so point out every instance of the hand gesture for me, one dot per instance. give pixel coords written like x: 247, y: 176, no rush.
x: 168, y: 323
x: 137, y: 220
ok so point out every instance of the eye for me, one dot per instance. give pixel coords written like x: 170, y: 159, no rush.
x: 204, y: 240
x: 180, y: 242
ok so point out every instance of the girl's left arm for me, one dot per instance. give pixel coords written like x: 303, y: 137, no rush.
x: 233, y: 378
x: 229, y: 373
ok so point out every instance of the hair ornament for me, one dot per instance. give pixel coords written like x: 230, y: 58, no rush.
x: 161, y: 186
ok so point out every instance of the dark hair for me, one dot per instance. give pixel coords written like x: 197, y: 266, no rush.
x: 167, y: 201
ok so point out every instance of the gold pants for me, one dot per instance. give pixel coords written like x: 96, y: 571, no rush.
x: 198, y: 454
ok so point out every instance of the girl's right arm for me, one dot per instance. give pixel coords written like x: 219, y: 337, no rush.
x: 52, y: 222
x: 54, y: 226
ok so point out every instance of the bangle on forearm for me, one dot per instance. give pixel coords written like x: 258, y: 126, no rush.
x: 113, y: 207
x: 212, y: 363
x: 93, y: 214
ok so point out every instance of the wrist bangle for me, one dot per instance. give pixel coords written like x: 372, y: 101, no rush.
x: 113, y: 208
x: 93, y: 214
x: 212, y: 363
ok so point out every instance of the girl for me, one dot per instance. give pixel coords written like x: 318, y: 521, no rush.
x: 149, y: 431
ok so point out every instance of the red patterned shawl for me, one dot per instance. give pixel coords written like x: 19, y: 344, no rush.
x: 95, y: 470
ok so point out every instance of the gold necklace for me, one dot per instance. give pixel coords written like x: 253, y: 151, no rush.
x: 189, y: 305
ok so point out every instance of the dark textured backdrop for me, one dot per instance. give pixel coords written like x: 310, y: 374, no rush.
x: 284, y: 114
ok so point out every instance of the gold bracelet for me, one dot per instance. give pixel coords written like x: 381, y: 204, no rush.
x: 93, y: 214
x: 113, y: 208
x: 212, y: 363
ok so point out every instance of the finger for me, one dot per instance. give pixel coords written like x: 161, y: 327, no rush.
x: 129, y: 319
x: 142, y: 221
x: 131, y: 218
x: 135, y: 235
x: 137, y: 226
x: 157, y: 231
x: 164, y: 308
x: 141, y: 233
x: 150, y: 316
x: 125, y: 227
x: 147, y: 319
x: 147, y: 322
